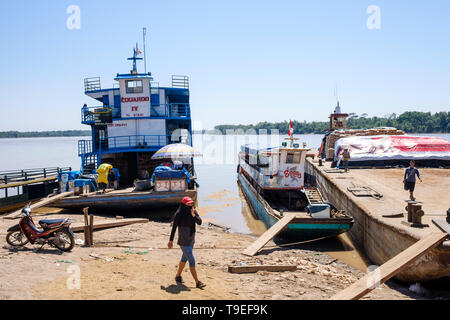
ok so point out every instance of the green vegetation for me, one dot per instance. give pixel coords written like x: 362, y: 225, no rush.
x: 410, y: 122
x: 33, y: 134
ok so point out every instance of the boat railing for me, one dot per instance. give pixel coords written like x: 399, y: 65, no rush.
x: 96, y: 114
x: 92, y: 84
x: 121, y: 143
x: 104, y: 114
x: 10, y: 176
x: 179, y: 81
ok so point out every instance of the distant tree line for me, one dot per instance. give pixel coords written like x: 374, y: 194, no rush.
x: 31, y: 134
x: 411, y: 122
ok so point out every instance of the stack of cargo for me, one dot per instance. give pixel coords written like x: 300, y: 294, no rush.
x: 338, y: 134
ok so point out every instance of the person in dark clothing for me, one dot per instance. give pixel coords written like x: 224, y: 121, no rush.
x: 184, y: 220
x: 409, y: 179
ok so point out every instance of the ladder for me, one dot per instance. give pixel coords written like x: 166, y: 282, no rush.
x: 314, y: 196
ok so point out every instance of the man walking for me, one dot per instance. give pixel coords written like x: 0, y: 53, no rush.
x: 409, y: 179
x: 185, y: 219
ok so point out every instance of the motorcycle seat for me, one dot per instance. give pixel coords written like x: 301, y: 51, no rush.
x: 50, y: 221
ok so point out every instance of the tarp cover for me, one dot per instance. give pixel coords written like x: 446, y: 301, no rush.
x: 366, y: 148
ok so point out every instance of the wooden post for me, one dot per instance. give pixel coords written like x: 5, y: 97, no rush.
x: 87, y: 240
x: 91, y: 229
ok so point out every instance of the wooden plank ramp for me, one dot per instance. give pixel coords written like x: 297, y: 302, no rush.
x: 40, y: 203
x: 269, y: 234
x: 390, y: 268
x: 270, y: 268
x: 78, y: 227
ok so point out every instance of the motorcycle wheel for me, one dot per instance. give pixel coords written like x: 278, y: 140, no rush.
x: 64, y: 240
x: 16, y: 238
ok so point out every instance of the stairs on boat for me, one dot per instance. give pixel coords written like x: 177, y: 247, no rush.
x: 90, y: 162
x: 314, y: 196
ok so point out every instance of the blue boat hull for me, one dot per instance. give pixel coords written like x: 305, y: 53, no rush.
x: 299, y: 229
x: 131, y: 201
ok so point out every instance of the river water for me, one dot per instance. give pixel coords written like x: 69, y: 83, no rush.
x: 219, y: 197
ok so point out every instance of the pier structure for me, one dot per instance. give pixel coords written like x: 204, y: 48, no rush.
x: 19, y: 186
x: 137, y: 117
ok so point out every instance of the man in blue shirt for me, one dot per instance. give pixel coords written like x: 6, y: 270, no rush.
x: 409, y: 179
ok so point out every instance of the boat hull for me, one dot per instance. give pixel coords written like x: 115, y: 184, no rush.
x: 130, y: 201
x: 299, y: 228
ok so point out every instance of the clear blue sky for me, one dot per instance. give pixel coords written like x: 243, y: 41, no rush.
x: 248, y: 61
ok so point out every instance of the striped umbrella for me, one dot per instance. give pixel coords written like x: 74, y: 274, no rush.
x: 176, y: 150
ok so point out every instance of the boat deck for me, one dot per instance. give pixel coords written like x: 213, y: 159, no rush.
x: 432, y: 193
x: 382, y: 237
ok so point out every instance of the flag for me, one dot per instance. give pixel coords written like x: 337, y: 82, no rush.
x: 291, y: 129
x: 137, y: 49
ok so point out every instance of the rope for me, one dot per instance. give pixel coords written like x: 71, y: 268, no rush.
x: 222, y: 248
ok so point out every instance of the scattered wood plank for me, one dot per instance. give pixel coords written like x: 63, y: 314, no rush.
x: 79, y: 227
x: 253, y: 269
x: 40, y: 203
x: 390, y: 268
x: 269, y: 234
x: 442, y: 224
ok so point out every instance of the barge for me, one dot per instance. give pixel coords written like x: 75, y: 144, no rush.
x: 372, y: 192
x: 272, y: 181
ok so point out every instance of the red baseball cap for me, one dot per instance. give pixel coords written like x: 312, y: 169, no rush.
x: 187, y: 200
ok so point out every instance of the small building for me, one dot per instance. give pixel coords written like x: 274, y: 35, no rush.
x: 338, y: 120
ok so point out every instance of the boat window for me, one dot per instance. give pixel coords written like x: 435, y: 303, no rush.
x: 293, y: 157
x: 134, y: 86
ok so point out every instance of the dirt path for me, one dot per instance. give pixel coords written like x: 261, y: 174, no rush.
x: 113, y: 270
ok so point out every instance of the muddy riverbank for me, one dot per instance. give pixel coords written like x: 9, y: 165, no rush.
x: 133, y: 262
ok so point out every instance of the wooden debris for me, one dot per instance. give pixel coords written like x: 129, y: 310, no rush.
x: 442, y: 224
x: 269, y: 234
x: 78, y: 227
x: 391, y: 267
x: 253, y: 269
x: 363, y: 191
x: 40, y: 203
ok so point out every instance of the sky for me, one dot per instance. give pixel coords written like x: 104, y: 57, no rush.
x: 248, y: 61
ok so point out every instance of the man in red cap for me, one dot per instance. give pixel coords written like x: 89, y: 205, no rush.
x: 185, y: 219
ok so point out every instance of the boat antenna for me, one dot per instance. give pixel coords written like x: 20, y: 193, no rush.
x: 144, y: 33
x: 336, y: 95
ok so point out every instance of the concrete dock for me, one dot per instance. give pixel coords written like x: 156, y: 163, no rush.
x: 381, y: 238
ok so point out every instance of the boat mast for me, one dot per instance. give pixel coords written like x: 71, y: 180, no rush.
x: 144, y: 33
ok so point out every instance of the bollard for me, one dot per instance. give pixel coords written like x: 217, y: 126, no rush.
x: 409, y: 209
x: 417, y: 214
x: 321, y: 164
x: 448, y: 216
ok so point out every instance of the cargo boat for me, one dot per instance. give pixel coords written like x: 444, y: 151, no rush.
x: 272, y: 181
x: 136, y: 119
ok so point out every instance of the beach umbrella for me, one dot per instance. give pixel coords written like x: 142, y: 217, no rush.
x: 176, y: 151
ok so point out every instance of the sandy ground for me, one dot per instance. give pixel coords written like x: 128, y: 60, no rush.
x: 133, y: 262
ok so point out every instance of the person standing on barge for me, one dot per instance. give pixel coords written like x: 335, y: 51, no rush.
x: 409, y: 179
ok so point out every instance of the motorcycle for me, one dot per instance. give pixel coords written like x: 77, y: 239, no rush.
x: 55, y: 232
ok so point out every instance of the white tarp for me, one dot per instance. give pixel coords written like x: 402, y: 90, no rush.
x: 365, y: 148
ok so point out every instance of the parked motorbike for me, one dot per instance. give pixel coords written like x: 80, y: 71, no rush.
x: 55, y: 232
